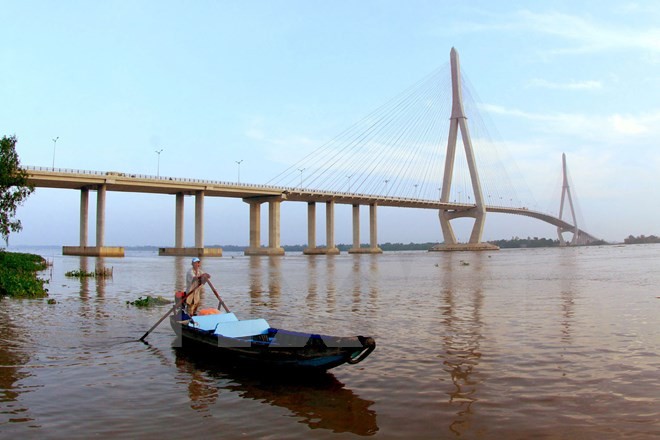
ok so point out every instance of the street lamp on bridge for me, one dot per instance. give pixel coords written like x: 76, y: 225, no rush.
x: 238, y: 162
x: 54, y: 145
x: 301, y: 179
x: 349, y: 182
x: 158, y: 165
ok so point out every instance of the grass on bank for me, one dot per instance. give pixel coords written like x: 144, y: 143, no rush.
x: 18, y: 275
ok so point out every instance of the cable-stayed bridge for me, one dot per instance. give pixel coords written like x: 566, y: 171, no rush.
x: 396, y: 156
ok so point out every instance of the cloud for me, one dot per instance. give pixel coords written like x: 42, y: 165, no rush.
x: 610, y: 155
x: 586, y: 126
x: 572, y: 85
x: 279, y: 148
x: 628, y: 125
x: 583, y: 32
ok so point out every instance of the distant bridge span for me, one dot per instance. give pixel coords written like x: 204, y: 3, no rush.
x: 583, y: 237
x: 303, y: 195
x: 252, y: 194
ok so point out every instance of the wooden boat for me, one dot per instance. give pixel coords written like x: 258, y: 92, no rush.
x: 253, y: 342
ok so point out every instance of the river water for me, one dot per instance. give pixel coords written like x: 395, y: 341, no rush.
x: 543, y: 343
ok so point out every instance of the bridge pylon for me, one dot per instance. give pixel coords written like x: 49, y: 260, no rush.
x: 566, y: 195
x: 458, y: 121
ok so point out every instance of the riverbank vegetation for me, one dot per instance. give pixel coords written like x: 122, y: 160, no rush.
x: 528, y: 242
x: 517, y: 243
x: 512, y: 243
x: 14, y: 187
x: 18, y: 275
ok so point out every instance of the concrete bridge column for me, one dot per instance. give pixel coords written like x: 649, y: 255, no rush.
x: 274, y: 228
x: 274, y: 247
x: 255, y: 227
x: 198, y: 250
x: 99, y: 250
x: 330, y: 248
x: 100, y: 216
x: 373, y: 236
x: 311, y: 225
x: 178, y: 221
x: 311, y: 229
x: 373, y: 229
x: 84, y: 216
x: 199, y: 219
x: 356, y: 230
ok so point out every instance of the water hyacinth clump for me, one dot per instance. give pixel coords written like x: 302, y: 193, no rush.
x: 100, y: 272
x: 149, y: 301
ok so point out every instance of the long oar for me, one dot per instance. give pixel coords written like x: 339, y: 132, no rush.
x: 174, y: 307
x: 221, y: 303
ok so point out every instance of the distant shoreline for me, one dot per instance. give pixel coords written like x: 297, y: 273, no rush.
x: 514, y: 243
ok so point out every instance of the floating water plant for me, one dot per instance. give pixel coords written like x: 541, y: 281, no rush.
x: 100, y: 272
x: 149, y: 301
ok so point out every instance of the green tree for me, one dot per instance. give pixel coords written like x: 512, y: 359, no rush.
x: 14, y: 187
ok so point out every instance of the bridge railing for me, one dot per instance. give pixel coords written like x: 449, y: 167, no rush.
x: 148, y: 176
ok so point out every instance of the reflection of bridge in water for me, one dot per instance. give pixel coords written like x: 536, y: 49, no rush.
x: 391, y: 158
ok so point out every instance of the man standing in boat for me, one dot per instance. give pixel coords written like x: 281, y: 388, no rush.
x: 195, y: 278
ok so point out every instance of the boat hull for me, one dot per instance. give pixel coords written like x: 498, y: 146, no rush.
x: 278, y: 348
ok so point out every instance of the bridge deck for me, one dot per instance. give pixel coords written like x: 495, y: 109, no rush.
x: 125, y: 182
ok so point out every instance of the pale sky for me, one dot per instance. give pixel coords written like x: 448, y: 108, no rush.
x: 267, y: 82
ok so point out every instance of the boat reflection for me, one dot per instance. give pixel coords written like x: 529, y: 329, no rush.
x: 318, y: 400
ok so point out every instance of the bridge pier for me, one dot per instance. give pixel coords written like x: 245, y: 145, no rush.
x: 373, y: 232
x: 100, y: 250
x: 475, y: 243
x: 274, y: 247
x: 330, y: 248
x: 198, y: 250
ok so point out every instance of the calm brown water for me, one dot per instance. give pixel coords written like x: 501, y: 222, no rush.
x: 550, y: 343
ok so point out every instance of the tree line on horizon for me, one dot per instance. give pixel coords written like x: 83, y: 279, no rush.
x: 642, y: 239
x: 512, y: 243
